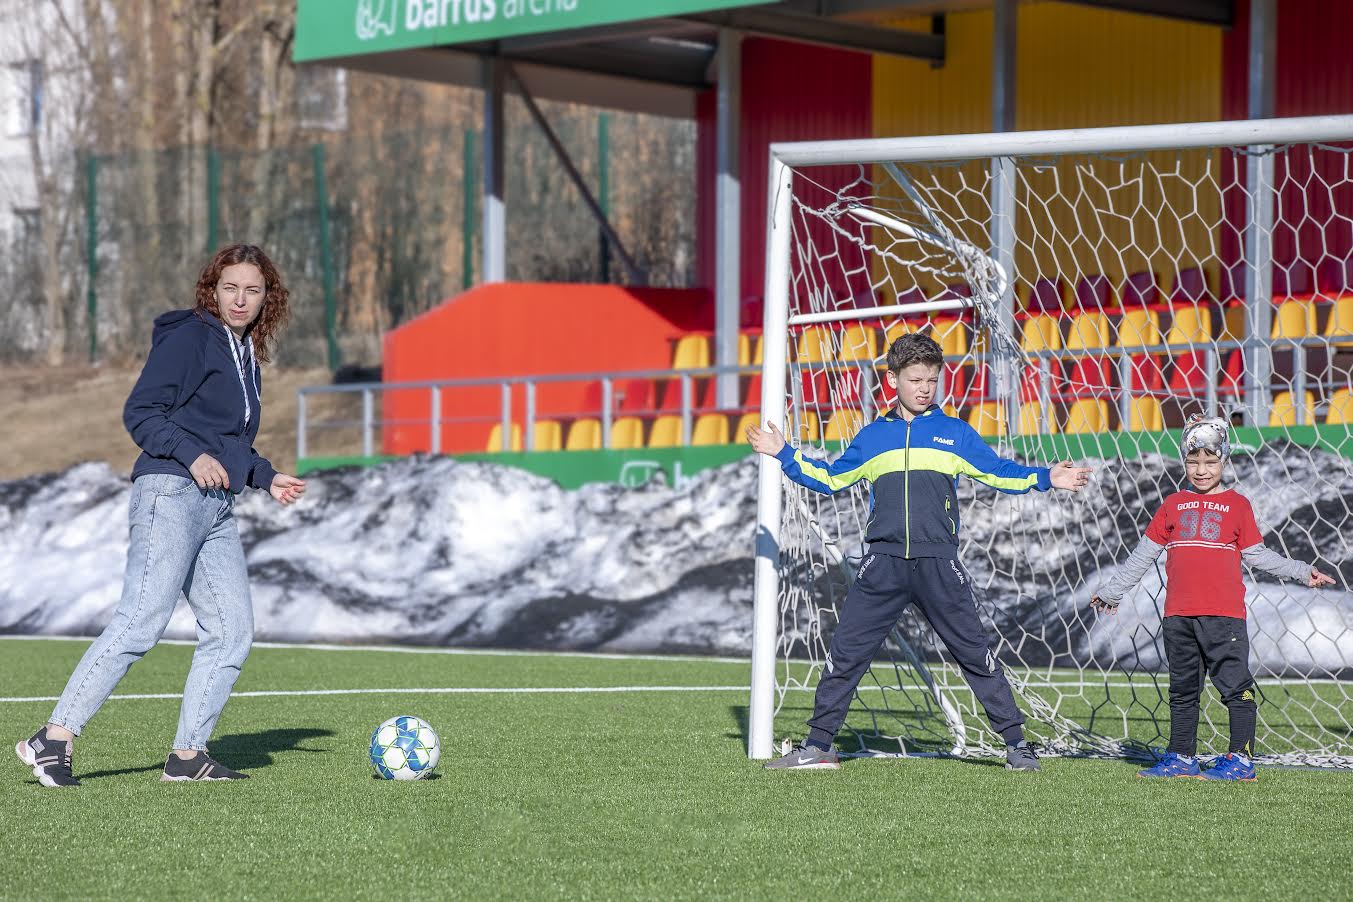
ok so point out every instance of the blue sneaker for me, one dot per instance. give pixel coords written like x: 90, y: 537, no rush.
x: 1173, y: 765
x: 1232, y: 766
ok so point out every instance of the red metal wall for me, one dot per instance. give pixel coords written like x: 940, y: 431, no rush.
x: 1314, y: 77
x: 790, y: 92
x: 525, y: 329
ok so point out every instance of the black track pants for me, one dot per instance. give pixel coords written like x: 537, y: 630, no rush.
x: 882, y: 590
x: 1219, y: 646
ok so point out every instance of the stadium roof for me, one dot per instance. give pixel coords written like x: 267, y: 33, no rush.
x: 603, y: 52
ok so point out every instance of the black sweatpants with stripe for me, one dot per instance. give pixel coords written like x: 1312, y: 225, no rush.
x: 1220, y: 647
x: 884, y: 587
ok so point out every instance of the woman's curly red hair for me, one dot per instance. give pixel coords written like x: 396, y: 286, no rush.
x: 275, y: 312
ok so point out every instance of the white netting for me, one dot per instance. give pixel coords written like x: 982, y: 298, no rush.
x: 1127, y: 269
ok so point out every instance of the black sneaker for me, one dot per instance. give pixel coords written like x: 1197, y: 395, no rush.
x: 49, y: 758
x: 1021, y: 757
x: 199, y: 767
x: 806, y: 757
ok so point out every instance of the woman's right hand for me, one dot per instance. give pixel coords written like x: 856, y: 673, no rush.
x: 208, y: 473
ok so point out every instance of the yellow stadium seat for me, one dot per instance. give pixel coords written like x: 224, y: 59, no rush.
x: 547, y: 436
x: 752, y: 420
x: 666, y: 432
x: 710, y: 429
x: 1294, y: 319
x: 1284, y: 412
x: 1087, y: 415
x: 1233, y: 323
x: 1031, y: 419
x: 627, y: 432
x: 1041, y: 333
x: 986, y: 418
x: 952, y: 336
x: 495, y: 444
x: 1340, y: 323
x: 898, y: 329
x: 758, y: 348
x: 1088, y: 331
x: 1341, y: 407
x: 744, y: 349
x: 859, y: 343
x: 808, y: 426
x: 1190, y: 325
x: 815, y: 345
x: 843, y: 425
x: 583, y: 435
x: 1139, y: 328
x: 1144, y: 415
x: 692, y: 353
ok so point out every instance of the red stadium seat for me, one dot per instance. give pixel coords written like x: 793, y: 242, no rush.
x: 1093, y: 294
x: 1146, y: 374
x: 1140, y: 290
x: 751, y: 395
x: 1233, y: 374
x: 636, y: 396
x: 1090, y: 378
x: 1190, y: 286
x: 1334, y: 278
x: 1047, y: 296
x: 1189, y: 376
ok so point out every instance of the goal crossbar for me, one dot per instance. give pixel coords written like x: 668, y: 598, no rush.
x: 1119, y: 139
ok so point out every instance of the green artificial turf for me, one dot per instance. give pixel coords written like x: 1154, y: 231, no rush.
x: 638, y: 794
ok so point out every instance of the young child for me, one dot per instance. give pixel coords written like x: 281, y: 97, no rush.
x: 1206, y: 532
x: 913, y: 457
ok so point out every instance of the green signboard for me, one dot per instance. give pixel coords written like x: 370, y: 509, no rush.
x: 335, y: 28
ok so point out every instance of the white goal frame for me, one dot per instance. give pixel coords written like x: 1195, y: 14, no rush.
x: 1258, y: 135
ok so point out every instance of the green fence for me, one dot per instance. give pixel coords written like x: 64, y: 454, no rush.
x: 367, y: 231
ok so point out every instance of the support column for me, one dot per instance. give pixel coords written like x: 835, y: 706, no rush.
x: 494, y: 236
x: 728, y: 218
x: 1259, y: 222
x: 1002, y: 229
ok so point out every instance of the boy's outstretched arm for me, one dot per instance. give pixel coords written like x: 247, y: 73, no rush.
x: 987, y: 467
x: 1129, y: 574
x: 1261, y: 557
x: 826, y: 478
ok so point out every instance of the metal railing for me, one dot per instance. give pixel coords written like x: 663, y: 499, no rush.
x: 507, y: 387
x: 1212, y: 354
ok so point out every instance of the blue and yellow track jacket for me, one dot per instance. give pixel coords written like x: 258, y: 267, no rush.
x: 914, y: 468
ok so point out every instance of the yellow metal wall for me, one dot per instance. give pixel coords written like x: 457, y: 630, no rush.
x: 1076, y: 67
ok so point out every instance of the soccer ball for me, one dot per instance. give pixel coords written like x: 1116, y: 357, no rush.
x: 404, y: 748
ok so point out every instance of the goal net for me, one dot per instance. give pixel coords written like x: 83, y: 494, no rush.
x: 1090, y: 291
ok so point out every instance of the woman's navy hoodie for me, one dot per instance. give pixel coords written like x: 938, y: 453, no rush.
x: 190, y: 400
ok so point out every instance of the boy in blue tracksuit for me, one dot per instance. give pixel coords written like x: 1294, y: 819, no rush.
x: 913, y: 456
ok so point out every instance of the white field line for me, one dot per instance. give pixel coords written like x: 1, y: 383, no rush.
x: 509, y: 690
x: 422, y: 650
x: 447, y: 690
x: 1056, y: 681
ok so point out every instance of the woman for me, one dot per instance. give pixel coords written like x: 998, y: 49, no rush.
x: 194, y: 413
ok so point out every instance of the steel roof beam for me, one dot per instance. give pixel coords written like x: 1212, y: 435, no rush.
x: 815, y: 30
x: 1204, y: 12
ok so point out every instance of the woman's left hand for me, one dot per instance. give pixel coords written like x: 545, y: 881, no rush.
x: 286, y: 489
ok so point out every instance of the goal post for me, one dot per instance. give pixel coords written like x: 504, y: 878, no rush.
x: 867, y: 239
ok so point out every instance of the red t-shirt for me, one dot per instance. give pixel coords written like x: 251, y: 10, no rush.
x: 1203, y: 536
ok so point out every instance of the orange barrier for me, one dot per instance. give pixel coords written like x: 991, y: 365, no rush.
x: 526, y: 329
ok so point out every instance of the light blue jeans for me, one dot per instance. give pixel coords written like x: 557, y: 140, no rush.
x: 183, y: 540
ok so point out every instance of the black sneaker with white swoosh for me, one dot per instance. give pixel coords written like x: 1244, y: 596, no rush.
x: 806, y: 757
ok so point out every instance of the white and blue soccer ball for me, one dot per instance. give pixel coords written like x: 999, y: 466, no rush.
x: 404, y: 748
